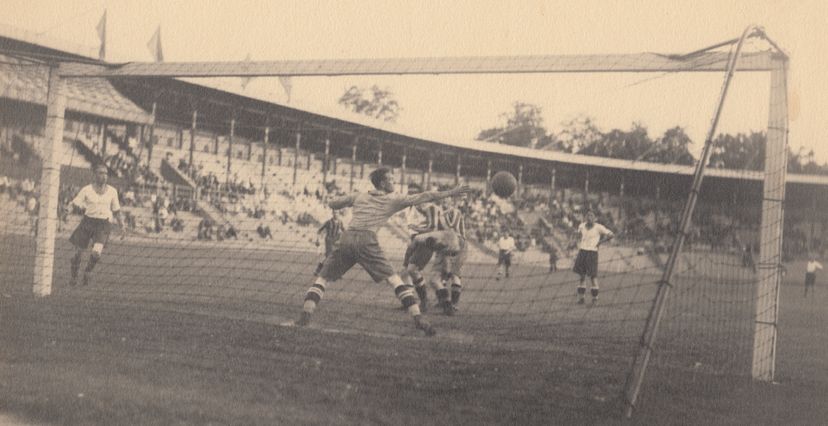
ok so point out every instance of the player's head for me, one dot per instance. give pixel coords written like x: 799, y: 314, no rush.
x: 589, y: 216
x: 334, y: 214
x: 101, y: 174
x: 383, y: 179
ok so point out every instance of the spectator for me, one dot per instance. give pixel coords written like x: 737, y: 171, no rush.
x: 264, y: 231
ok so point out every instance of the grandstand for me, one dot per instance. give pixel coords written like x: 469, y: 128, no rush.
x: 202, y: 171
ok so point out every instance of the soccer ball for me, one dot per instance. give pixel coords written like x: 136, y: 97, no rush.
x: 504, y: 184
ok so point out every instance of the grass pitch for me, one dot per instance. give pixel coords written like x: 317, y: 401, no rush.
x: 172, y: 336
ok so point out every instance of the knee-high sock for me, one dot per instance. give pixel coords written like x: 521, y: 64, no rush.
x: 314, y: 295
x: 93, y: 260
x: 456, y: 290
x: 405, y: 294
x: 75, y: 262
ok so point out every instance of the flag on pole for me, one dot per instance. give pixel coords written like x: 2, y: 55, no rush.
x: 287, y: 84
x: 154, y: 46
x: 245, y: 80
x: 102, y: 36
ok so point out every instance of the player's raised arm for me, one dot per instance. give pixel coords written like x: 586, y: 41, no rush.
x: 431, y: 196
x: 342, y: 202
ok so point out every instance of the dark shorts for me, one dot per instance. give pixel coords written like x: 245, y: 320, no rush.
x: 447, y: 262
x: 408, y: 252
x: 586, y: 263
x: 357, y: 247
x: 329, y: 247
x: 504, y: 258
x: 810, y: 278
x: 420, y: 255
x: 94, y: 230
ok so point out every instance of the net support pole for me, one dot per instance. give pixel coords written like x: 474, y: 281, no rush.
x: 230, y: 146
x: 296, y: 153
x: 264, y: 150
x: 770, y: 253
x: 151, y: 143
x: 326, y: 161
x: 193, y: 129
x: 353, y: 163
x: 402, y: 171
x: 635, y: 378
x: 457, y: 171
x: 49, y: 184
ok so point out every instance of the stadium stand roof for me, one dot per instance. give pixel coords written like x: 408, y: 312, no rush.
x: 26, y: 81
x: 397, y: 132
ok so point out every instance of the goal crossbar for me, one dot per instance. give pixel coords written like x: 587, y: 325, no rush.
x: 639, y: 62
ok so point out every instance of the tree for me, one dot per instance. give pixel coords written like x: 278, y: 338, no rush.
x: 629, y: 145
x: 576, y: 135
x: 373, y: 101
x: 523, y: 127
x: 672, y: 148
x: 741, y: 152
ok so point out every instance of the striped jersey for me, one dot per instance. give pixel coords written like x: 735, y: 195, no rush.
x: 333, y: 229
x: 453, y: 220
x: 432, y: 219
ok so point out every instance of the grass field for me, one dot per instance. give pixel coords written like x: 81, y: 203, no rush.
x: 172, y: 336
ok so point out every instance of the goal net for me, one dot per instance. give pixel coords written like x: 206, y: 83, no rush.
x: 224, y: 195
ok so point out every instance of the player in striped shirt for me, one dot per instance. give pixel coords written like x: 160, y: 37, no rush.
x: 332, y: 228
x: 448, y: 262
x: 359, y: 244
x: 421, y: 249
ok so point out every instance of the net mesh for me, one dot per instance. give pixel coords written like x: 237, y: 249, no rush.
x: 221, y: 225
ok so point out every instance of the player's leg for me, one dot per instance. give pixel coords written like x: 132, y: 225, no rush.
x: 507, y: 263
x: 443, y: 297
x: 456, y: 290
x: 456, y: 269
x: 333, y: 268
x: 99, y: 238
x: 80, y: 239
x: 594, y: 289
x: 75, y: 266
x: 593, y: 275
x: 421, y: 254
x: 373, y: 260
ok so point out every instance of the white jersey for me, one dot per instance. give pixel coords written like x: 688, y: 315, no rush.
x: 591, y: 236
x: 813, y: 266
x: 506, y: 244
x: 98, y: 206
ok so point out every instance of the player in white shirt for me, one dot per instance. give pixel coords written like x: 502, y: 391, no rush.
x: 505, y: 246
x: 592, y: 234
x: 810, y: 273
x: 100, y: 204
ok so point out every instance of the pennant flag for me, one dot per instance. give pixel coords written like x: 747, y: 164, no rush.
x: 287, y: 84
x: 154, y: 46
x: 246, y: 80
x: 102, y: 36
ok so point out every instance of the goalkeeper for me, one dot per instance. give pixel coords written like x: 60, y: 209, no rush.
x: 359, y: 244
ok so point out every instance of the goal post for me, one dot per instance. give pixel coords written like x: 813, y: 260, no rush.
x: 50, y: 183
x: 770, y: 261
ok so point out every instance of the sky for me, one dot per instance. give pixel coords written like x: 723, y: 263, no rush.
x: 458, y: 107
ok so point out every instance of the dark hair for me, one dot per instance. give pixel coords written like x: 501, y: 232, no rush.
x: 378, y: 175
